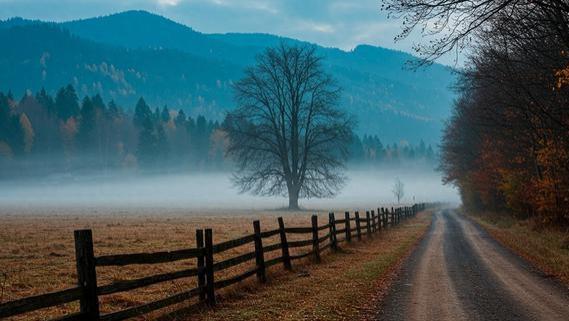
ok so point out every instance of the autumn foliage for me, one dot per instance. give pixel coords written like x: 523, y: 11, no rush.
x: 507, y: 144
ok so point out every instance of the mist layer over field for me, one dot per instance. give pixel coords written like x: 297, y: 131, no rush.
x: 212, y: 191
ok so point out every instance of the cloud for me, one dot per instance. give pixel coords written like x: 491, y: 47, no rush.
x: 168, y: 2
x: 308, y: 25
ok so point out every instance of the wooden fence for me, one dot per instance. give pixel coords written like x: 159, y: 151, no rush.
x: 88, y: 291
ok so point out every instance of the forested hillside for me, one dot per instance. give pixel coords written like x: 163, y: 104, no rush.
x: 132, y: 54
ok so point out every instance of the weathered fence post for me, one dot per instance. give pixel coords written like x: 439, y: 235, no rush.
x: 384, y: 217
x: 379, y: 218
x: 397, y: 215
x: 201, y: 263
x: 259, y: 255
x: 284, y: 245
x: 86, y: 275
x: 332, y: 223
x: 368, y: 227
x: 315, y: 245
x: 210, y: 289
x: 348, y: 228
x: 373, y: 226
x: 391, y: 216
x: 358, y: 226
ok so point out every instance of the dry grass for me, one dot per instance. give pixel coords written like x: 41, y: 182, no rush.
x: 37, y: 256
x: 345, y: 286
x: 545, y: 248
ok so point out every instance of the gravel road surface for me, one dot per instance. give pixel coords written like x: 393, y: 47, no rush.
x: 458, y: 272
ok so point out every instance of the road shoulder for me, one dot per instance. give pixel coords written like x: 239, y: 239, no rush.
x: 547, y: 250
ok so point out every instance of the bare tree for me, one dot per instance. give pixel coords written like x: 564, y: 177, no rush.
x: 398, y: 190
x: 287, y: 136
x: 455, y: 24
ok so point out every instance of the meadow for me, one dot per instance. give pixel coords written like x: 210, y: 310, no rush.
x: 37, y: 255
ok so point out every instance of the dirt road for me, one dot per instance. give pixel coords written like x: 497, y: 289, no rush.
x: 459, y: 272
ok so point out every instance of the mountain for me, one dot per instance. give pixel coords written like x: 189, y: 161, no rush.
x: 48, y: 56
x: 141, y: 29
x: 136, y: 53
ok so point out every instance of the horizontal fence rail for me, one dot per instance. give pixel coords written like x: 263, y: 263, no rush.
x: 349, y: 228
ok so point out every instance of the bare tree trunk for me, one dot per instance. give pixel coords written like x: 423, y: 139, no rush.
x: 293, y: 198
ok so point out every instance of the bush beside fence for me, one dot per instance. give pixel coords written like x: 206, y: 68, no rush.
x: 88, y: 291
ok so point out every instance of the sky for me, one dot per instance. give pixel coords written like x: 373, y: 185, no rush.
x: 333, y: 23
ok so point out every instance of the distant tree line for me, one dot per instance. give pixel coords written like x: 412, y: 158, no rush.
x: 369, y: 150
x: 41, y: 132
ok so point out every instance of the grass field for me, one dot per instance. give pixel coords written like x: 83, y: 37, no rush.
x: 545, y: 248
x: 37, y: 256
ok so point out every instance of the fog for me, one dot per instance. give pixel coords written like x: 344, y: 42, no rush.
x: 212, y: 191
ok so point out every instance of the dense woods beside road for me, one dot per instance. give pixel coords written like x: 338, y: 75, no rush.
x: 507, y: 143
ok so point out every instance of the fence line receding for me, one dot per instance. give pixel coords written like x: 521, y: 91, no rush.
x: 87, y: 291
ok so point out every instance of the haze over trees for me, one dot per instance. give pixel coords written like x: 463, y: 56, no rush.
x: 507, y: 144
x: 287, y: 134
x: 40, y: 133
x: 398, y: 190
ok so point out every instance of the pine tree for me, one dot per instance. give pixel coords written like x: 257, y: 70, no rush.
x: 15, y: 135
x: 147, y: 150
x: 4, y: 116
x: 113, y: 111
x: 357, y: 152
x: 11, y: 131
x: 142, y: 113
x: 422, y: 149
x: 156, y: 114
x: 162, y: 142
x: 180, y: 119
x: 46, y: 101
x: 66, y: 103
x: 200, y: 132
x: 99, y: 104
x: 86, y: 135
x: 379, y: 149
x: 430, y: 154
x: 165, y: 115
